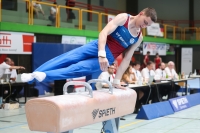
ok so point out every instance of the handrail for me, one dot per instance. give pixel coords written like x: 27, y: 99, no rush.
x: 29, y: 11
x: 100, y: 21
x: 165, y: 30
x: 81, y: 4
x: 44, y: 3
x: 190, y: 28
x: 83, y: 10
x: 175, y: 27
x: 73, y: 8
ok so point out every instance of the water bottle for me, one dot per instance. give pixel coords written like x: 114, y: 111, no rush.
x: 179, y: 76
x: 195, y: 72
x: 140, y: 80
x: 167, y: 76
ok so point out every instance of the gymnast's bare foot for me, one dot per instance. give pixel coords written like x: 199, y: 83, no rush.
x: 40, y: 76
x: 26, y: 77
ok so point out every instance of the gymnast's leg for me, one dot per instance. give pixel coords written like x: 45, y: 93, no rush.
x: 86, y: 51
x: 82, y: 68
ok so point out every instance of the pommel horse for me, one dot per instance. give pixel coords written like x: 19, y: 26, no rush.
x: 64, y: 113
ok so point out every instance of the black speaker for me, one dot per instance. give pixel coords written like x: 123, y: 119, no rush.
x: 58, y: 87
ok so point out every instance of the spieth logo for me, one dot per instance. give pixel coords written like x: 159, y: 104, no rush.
x: 4, y: 40
x: 94, y: 113
x: 132, y: 40
x: 103, y: 113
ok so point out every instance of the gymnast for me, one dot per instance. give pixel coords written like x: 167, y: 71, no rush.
x: 122, y: 34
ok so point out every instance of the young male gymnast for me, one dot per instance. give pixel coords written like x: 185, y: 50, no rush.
x: 120, y: 34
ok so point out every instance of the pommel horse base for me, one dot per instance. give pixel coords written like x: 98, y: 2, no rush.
x: 67, y: 112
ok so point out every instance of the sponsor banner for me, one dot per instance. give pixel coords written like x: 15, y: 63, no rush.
x: 154, y: 48
x: 155, y: 29
x: 110, y: 17
x: 89, y: 39
x: 73, y: 40
x: 16, y: 42
x: 179, y: 103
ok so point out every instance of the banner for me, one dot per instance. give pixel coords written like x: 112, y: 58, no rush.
x: 110, y: 17
x: 73, y: 40
x: 154, y: 48
x: 16, y: 42
x: 179, y: 103
x: 155, y: 29
x: 89, y: 39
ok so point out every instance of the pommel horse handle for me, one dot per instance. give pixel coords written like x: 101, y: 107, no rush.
x: 77, y: 83
x: 102, y: 81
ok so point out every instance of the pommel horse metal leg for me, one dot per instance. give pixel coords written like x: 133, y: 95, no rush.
x: 64, y: 113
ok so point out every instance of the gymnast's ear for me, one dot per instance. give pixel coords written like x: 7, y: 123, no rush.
x: 141, y: 13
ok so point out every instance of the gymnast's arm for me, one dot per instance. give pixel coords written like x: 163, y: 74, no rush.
x: 125, y: 62
x: 119, y: 20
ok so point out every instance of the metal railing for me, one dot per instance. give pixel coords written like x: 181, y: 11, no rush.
x: 29, y: 10
x: 192, y: 30
x: 173, y: 30
x: 89, y: 11
x: 43, y: 3
x: 101, y: 18
x: 73, y: 8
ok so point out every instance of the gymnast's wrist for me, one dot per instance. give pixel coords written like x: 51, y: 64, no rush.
x: 116, y: 82
x: 102, y: 53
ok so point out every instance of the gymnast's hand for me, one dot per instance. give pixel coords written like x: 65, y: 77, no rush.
x: 103, y: 62
x: 119, y: 86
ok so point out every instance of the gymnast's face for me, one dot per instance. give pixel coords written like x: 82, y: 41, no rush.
x: 143, y: 21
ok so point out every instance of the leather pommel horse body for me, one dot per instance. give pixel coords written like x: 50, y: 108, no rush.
x: 70, y: 111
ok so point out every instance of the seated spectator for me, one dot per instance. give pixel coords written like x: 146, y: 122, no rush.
x: 53, y: 12
x: 128, y: 76
x: 171, y: 73
x: 3, y: 66
x: 164, y: 89
x: 143, y: 92
x: 37, y: 8
x: 160, y: 72
x: 148, y: 71
x: 107, y: 75
x: 135, y: 69
x: 17, y: 89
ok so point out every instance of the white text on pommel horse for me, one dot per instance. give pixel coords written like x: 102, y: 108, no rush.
x: 106, y: 112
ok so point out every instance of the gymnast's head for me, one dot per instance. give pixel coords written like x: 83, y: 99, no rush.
x: 146, y: 17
